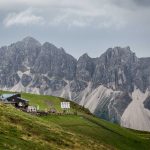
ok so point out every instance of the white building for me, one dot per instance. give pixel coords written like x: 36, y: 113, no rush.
x: 31, y: 109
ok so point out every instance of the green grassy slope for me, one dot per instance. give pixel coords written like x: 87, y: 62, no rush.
x: 19, y: 130
x: 103, y: 132
x: 48, y: 102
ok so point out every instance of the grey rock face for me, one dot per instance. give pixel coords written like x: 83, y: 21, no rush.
x: 114, y: 69
x: 12, y: 80
x: 85, y: 68
x: 55, y: 62
x: 26, y: 79
x: 29, y: 54
x: 142, y: 74
x: 104, y: 84
x: 147, y: 103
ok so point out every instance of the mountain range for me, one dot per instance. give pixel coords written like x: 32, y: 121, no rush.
x: 114, y: 86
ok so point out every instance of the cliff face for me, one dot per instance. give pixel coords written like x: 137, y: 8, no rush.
x: 114, y: 86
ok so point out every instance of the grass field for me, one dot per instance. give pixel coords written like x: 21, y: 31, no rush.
x: 102, y: 131
x: 19, y: 130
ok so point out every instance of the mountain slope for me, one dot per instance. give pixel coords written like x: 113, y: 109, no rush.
x: 23, y: 131
x: 106, y: 84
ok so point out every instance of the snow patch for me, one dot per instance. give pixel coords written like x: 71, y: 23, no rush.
x: 20, y: 73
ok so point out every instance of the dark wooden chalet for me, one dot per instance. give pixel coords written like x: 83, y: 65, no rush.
x: 14, y: 99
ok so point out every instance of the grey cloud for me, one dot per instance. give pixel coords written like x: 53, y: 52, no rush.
x: 142, y: 2
x: 26, y: 17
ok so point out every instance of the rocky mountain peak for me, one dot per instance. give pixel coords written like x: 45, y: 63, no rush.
x: 85, y: 55
x: 49, y: 47
x: 124, y: 49
x: 118, y: 55
x: 30, y: 40
x: 118, y: 51
x: 85, y: 67
x: 62, y: 50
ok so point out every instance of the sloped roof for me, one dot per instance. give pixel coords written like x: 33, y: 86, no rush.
x: 5, y: 96
x: 23, y: 99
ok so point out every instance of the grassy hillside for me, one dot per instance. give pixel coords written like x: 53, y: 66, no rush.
x: 103, y: 132
x: 19, y: 130
x: 22, y: 131
x: 48, y: 102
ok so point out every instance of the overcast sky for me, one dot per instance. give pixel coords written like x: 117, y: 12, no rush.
x: 79, y: 26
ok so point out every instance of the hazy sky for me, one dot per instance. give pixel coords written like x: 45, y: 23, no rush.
x: 78, y: 26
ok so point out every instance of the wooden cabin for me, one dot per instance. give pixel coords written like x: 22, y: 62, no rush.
x: 14, y: 99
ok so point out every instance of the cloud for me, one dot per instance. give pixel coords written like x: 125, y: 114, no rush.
x: 23, y: 18
x: 114, y: 14
x: 91, y: 14
x: 142, y: 2
x: 69, y: 13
